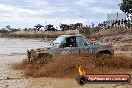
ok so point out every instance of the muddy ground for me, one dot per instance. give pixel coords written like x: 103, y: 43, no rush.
x: 10, y: 78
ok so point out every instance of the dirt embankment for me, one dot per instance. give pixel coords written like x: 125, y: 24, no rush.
x: 113, y: 35
x: 38, y: 34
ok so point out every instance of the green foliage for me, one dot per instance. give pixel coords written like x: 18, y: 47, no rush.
x: 14, y: 29
x: 126, y: 6
x: 8, y: 27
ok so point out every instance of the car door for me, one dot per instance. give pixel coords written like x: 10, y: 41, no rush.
x: 82, y: 44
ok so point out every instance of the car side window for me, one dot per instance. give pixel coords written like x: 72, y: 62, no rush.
x: 80, y: 41
x: 70, y: 42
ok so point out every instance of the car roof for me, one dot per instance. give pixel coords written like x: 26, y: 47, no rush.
x: 71, y: 35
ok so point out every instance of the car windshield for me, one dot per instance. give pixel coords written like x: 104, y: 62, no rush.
x: 57, y: 42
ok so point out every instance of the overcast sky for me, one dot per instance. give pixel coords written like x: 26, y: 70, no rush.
x: 27, y: 13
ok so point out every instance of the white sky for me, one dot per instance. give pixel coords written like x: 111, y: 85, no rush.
x: 27, y: 13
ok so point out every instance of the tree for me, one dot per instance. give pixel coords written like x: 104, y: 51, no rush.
x: 126, y: 6
x: 8, y: 27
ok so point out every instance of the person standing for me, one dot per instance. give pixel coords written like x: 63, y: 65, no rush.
x: 122, y: 23
x: 118, y: 23
x: 113, y: 24
x: 92, y: 25
x: 125, y: 23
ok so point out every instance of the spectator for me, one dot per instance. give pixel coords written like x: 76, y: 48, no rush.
x: 113, y: 22
x: 92, y: 25
x: 125, y: 23
x: 118, y: 23
x: 122, y: 23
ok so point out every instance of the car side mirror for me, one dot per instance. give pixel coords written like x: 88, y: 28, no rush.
x: 51, y: 44
x: 62, y: 46
x: 85, y: 44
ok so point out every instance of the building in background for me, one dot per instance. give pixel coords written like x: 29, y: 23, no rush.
x: 116, y: 19
x: 116, y: 16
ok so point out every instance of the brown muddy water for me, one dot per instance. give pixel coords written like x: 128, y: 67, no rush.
x: 14, y: 50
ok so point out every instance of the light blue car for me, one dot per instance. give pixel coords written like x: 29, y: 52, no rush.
x: 75, y: 43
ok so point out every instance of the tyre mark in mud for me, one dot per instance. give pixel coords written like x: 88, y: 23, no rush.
x: 8, y: 78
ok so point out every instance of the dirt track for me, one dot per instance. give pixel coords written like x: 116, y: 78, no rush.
x: 14, y: 79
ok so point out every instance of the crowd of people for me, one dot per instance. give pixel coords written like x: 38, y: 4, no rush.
x: 115, y: 24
